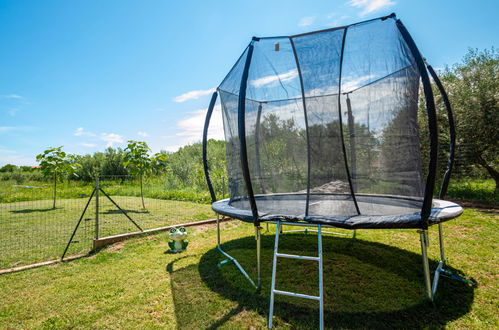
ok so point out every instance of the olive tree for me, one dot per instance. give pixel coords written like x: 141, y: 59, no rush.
x: 137, y: 161
x: 54, y: 162
x: 473, y: 88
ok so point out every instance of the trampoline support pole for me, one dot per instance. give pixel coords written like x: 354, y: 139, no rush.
x: 229, y: 257
x: 441, y: 242
x: 258, y: 257
x: 441, y: 264
x: 423, y: 235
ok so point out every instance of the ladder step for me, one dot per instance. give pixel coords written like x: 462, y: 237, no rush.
x: 293, y: 256
x: 299, y: 295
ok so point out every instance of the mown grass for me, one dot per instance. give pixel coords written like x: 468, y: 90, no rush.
x: 374, y: 281
x: 32, y: 231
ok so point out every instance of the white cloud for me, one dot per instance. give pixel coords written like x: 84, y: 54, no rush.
x: 88, y: 145
x: 16, y: 158
x: 11, y: 96
x: 142, y: 134
x: 173, y: 148
x: 5, y: 129
x: 283, y: 77
x: 111, y: 138
x: 191, y: 128
x: 334, y: 20
x: 12, y: 103
x: 6, y: 151
x: 81, y: 132
x: 192, y: 95
x: 369, y: 6
x: 306, y: 21
x: 351, y: 83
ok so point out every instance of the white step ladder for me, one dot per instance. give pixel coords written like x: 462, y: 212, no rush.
x: 274, y: 291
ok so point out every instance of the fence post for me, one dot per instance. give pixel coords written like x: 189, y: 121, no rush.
x: 97, y: 188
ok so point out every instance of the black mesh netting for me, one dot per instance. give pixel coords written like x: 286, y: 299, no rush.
x: 331, y: 124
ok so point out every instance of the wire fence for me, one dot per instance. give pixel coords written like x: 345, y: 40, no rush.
x: 34, y: 228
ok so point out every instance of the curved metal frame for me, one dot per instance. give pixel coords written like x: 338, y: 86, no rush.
x: 241, y: 128
x: 432, y: 124
x: 205, y: 146
x: 452, y: 132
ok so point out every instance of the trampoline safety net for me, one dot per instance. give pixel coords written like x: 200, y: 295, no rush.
x: 331, y: 123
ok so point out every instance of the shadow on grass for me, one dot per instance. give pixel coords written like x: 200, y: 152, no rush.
x: 116, y: 211
x: 36, y: 210
x: 366, y: 285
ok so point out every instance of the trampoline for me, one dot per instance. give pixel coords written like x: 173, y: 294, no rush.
x: 322, y: 129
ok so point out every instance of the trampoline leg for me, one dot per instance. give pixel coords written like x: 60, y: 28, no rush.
x: 219, y: 247
x: 218, y: 230
x: 441, y: 264
x: 321, y: 286
x: 423, y: 235
x: 441, y: 242
x: 258, y: 257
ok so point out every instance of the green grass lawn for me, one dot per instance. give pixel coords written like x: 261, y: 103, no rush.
x: 374, y: 281
x: 32, y: 231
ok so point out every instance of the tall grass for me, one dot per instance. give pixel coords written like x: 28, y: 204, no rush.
x: 481, y: 190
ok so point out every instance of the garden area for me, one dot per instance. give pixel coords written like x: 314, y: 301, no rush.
x: 372, y: 281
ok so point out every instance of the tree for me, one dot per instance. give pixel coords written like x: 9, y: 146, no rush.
x: 137, y: 161
x: 54, y: 162
x: 114, y: 162
x: 8, y: 168
x: 159, y: 162
x: 473, y: 87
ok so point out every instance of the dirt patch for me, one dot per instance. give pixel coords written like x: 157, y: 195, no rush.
x: 116, y: 247
x: 201, y: 228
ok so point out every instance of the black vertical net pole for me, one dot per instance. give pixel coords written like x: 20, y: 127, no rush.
x: 343, y: 149
x: 241, y: 121
x: 205, y: 146
x: 432, y: 124
x: 452, y: 133
x: 298, y: 68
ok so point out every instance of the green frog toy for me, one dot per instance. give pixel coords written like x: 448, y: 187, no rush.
x: 178, y: 236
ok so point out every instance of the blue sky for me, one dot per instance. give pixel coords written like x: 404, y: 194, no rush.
x: 91, y: 74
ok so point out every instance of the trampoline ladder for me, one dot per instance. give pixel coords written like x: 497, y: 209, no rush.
x: 319, y: 298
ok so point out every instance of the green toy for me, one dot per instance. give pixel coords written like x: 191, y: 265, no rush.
x: 178, y: 236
